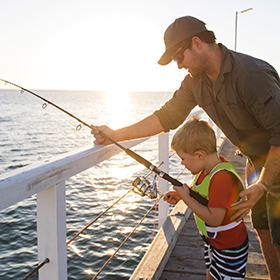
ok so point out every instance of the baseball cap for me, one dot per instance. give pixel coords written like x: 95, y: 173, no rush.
x: 180, y: 30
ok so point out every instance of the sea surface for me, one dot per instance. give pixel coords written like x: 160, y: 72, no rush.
x: 29, y: 134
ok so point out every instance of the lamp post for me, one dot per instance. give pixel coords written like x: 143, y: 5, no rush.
x: 236, y: 15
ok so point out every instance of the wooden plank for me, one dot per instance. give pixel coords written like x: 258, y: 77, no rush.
x: 256, y: 271
x: 186, y: 260
x: 186, y: 266
x: 181, y: 276
x: 153, y: 262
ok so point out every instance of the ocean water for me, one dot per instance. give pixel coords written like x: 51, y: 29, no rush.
x: 29, y: 134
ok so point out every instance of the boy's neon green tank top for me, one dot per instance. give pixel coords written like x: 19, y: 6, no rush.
x: 203, y: 189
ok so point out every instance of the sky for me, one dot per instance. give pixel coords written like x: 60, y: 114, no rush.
x: 114, y: 45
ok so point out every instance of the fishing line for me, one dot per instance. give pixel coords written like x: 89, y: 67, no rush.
x: 124, y: 241
x: 160, y: 197
x: 53, y: 115
x: 140, y: 250
x: 47, y: 260
x: 100, y: 215
x: 129, y: 152
x: 105, y: 211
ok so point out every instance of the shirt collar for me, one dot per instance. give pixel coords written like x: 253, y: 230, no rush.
x: 226, y: 66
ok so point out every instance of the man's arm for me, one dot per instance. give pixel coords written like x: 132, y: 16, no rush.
x: 147, y: 127
x: 254, y: 192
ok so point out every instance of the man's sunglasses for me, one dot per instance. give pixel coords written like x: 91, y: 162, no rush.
x: 179, y: 56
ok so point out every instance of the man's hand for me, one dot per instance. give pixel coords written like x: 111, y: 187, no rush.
x: 250, y: 197
x: 99, y: 140
x: 145, y: 128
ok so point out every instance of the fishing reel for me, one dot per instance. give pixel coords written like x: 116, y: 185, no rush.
x: 142, y: 186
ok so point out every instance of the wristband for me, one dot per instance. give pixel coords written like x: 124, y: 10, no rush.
x: 263, y: 186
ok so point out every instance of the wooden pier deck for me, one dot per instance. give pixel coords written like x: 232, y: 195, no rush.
x: 177, y: 251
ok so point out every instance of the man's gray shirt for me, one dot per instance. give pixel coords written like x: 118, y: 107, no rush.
x: 244, y: 102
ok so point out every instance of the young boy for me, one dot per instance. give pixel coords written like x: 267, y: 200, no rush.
x: 226, y: 242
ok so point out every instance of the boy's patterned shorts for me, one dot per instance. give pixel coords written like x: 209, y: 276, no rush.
x: 226, y: 264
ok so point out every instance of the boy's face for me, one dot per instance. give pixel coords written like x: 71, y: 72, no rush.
x: 192, y: 162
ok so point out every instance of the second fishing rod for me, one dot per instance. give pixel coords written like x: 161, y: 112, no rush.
x: 129, y: 152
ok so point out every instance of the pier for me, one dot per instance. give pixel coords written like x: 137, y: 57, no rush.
x: 177, y: 251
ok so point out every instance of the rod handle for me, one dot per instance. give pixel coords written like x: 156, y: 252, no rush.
x: 193, y: 194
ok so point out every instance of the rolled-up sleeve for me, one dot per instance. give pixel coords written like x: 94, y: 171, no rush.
x: 263, y: 99
x: 174, y: 112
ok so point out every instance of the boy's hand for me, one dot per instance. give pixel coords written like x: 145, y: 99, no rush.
x: 182, y: 191
x: 172, y: 197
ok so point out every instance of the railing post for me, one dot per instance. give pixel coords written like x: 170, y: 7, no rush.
x: 51, y: 229
x: 163, y: 147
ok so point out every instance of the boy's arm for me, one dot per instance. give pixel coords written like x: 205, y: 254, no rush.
x: 212, y: 216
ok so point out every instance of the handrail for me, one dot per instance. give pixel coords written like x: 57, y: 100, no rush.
x: 47, y: 180
x: 22, y: 183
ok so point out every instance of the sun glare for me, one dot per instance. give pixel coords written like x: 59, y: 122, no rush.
x: 75, y: 250
x: 89, y: 271
x: 117, y: 103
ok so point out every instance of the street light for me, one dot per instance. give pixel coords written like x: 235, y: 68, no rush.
x: 236, y: 14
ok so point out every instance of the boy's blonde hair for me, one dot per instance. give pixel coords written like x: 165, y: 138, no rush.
x: 193, y: 136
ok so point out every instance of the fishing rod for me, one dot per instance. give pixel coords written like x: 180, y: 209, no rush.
x: 129, y: 152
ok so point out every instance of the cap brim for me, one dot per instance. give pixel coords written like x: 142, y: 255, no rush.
x: 167, y: 56
x: 164, y: 60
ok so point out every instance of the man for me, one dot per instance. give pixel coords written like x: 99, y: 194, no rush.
x: 241, y: 94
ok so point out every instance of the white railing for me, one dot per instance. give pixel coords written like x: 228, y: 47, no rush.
x: 47, y: 180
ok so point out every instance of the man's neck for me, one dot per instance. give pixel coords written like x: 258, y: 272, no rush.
x: 214, y: 60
